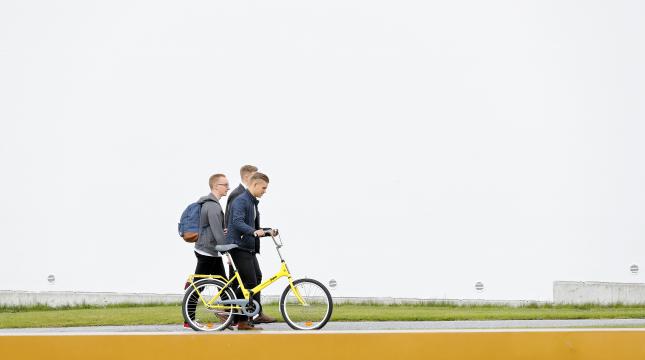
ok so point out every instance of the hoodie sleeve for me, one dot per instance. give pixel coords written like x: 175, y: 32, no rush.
x: 238, y: 213
x: 215, y: 221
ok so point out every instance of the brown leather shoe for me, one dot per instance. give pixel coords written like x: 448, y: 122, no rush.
x: 264, y: 319
x: 245, y: 325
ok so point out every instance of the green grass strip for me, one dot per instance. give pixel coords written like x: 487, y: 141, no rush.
x: 156, y: 314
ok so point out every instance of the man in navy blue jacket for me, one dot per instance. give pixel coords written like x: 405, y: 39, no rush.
x: 245, y: 232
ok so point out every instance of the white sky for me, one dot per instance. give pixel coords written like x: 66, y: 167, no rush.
x: 414, y: 147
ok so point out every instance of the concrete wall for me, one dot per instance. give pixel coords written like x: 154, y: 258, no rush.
x: 69, y: 298
x: 63, y: 298
x: 564, y: 292
x: 582, y: 292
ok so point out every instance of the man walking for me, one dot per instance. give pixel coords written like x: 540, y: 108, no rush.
x: 211, y: 228
x: 244, y: 231
x: 246, y: 172
x: 211, y: 233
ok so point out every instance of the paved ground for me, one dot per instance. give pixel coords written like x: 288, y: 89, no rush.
x: 357, y: 326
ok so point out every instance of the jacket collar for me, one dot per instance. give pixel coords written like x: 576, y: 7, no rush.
x: 255, y: 200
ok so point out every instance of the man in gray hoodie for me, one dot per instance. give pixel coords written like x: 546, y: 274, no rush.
x: 211, y: 233
x: 211, y: 225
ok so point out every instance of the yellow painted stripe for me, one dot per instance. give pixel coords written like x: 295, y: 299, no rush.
x: 498, y: 345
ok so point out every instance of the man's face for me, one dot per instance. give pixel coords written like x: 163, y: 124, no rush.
x: 258, y: 188
x: 221, y: 187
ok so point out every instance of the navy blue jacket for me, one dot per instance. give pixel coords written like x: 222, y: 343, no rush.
x: 231, y: 197
x: 242, y: 222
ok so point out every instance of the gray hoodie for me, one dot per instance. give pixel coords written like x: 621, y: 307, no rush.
x: 211, y: 225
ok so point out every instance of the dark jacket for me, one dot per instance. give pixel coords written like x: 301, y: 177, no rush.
x: 231, y: 197
x: 211, y: 225
x: 244, y: 219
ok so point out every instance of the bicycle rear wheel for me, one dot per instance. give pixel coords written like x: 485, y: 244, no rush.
x: 316, y: 310
x: 203, y: 317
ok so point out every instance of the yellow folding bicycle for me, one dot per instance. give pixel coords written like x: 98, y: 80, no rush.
x: 210, y: 302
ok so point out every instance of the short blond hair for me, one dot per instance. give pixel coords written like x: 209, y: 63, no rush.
x: 247, y: 169
x: 258, y: 176
x: 212, y: 181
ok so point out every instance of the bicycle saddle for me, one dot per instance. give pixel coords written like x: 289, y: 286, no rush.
x: 225, y: 248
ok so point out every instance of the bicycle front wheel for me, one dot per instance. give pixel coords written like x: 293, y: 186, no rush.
x: 200, y: 309
x: 310, y: 314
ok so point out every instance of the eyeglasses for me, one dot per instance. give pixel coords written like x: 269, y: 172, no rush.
x: 224, y: 184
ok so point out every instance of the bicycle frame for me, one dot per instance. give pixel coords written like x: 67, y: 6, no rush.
x: 283, y: 272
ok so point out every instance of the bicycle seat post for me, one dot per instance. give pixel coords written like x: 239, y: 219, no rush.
x: 230, y: 261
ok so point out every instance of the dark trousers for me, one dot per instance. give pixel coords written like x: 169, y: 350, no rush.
x: 206, y: 265
x: 249, y: 270
x: 209, y: 265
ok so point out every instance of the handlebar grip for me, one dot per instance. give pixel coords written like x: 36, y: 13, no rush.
x: 267, y: 232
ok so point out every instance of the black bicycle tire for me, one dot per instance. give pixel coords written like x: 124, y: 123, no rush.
x: 190, y: 290
x: 329, y: 299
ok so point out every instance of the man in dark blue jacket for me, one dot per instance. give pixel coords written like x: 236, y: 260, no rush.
x: 245, y: 232
x: 245, y: 174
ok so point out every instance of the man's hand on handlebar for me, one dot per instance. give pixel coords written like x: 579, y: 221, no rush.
x: 265, y: 232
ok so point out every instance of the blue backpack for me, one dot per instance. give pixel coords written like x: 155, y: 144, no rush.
x: 188, y: 226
